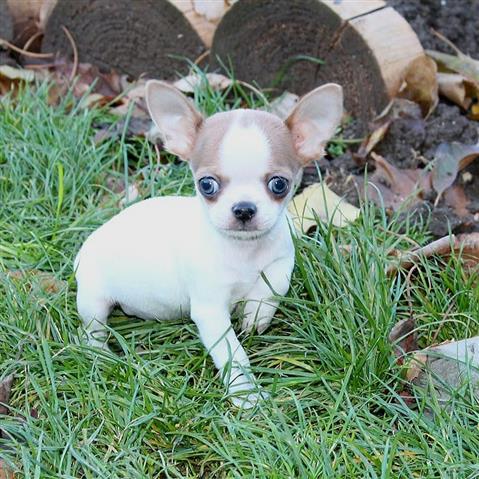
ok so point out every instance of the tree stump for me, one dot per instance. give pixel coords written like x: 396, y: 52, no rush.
x: 133, y: 37
x: 365, y: 47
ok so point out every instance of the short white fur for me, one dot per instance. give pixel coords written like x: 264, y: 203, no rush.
x: 167, y: 258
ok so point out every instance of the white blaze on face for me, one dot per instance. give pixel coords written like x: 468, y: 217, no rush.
x: 244, y: 163
x: 244, y: 152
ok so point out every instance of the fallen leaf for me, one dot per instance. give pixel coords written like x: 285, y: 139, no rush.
x: 420, y: 84
x: 446, y: 367
x: 133, y: 98
x: 373, y: 139
x: 474, y: 112
x: 398, y: 109
x: 11, y: 73
x: 319, y: 201
x: 450, y: 158
x: 415, y: 366
x: 137, y: 127
x: 455, y: 197
x: 11, y: 78
x: 94, y: 100
x: 458, y: 89
x: 5, y: 471
x: 283, y: 105
x: 88, y: 80
x: 216, y: 81
x: 403, y: 337
x: 5, y: 390
x: 43, y: 280
x: 392, y: 187
x: 464, y: 245
x: 463, y: 64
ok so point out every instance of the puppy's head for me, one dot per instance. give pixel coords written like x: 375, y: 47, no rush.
x: 246, y: 163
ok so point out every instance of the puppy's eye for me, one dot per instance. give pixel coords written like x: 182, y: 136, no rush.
x: 208, y: 186
x: 278, y: 185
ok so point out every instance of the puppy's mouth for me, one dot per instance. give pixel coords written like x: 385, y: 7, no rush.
x: 244, y: 234
x: 246, y: 231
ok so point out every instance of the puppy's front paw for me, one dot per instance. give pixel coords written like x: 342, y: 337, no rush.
x: 250, y: 323
x: 244, y: 394
x: 97, y: 344
x: 248, y: 400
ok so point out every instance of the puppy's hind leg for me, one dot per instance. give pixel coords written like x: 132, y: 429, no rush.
x: 94, y: 313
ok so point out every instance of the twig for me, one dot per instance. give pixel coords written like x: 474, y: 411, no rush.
x: 201, y: 57
x: 447, y: 41
x: 253, y: 89
x: 24, y: 52
x: 439, y: 247
x: 75, y: 53
x: 31, y: 40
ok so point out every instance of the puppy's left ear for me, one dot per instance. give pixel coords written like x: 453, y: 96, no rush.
x: 314, y: 120
x: 174, y: 115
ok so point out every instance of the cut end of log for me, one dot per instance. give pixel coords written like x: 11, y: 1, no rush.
x: 6, y: 22
x: 144, y: 37
x: 363, y: 45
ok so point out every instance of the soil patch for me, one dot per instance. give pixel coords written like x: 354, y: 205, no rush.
x: 412, y: 144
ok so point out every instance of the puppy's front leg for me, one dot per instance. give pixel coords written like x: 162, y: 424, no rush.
x: 218, y: 336
x: 260, y: 306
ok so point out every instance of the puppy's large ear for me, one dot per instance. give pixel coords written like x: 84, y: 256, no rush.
x: 314, y: 120
x: 174, y: 115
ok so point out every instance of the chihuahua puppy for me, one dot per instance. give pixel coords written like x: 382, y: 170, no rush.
x: 171, y: 257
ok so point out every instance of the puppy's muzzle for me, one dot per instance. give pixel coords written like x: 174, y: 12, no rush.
x: 244, y: 211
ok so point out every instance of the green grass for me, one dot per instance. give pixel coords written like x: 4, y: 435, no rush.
x: 156, y: 408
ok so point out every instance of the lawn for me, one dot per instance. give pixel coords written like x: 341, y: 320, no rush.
x: 155, y: 407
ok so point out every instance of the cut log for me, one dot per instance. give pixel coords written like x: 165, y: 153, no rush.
x: 139, y: 37
x: 6, y: 22
x: 28, y: 17
x: 365, y: 46
x: 203, y: 15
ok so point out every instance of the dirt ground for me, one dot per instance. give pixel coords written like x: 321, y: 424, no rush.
x: 412, y: 144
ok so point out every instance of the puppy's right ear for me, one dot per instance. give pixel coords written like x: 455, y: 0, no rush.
x: 174, y: 115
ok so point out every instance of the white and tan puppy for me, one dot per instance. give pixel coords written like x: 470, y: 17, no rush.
x: 173, y: 257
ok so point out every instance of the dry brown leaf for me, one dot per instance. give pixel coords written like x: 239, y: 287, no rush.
x: 189, y: 83
x: 464, y: 245
x: 403, y: 337
x: 415, y: 366
x: 5, y: 471
x: 392, y: 187
x: 5, y: 390
x: 457, y: 88
x: 319, y: 201
x: 474, y: 112
x: 455, y: 197
x: 47, y: 282
x: 420, y: 84
x: 398, y: 108
x: 450, y: 158
x: 134, y: 99
x: 89, y: 80
x: 373, y: 139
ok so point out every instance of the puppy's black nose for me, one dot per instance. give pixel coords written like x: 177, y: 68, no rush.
x: 244, y: 210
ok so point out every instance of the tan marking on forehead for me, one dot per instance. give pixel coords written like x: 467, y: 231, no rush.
x: 207, y: 146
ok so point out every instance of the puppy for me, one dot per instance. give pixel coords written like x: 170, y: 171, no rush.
x: 172, y: 257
